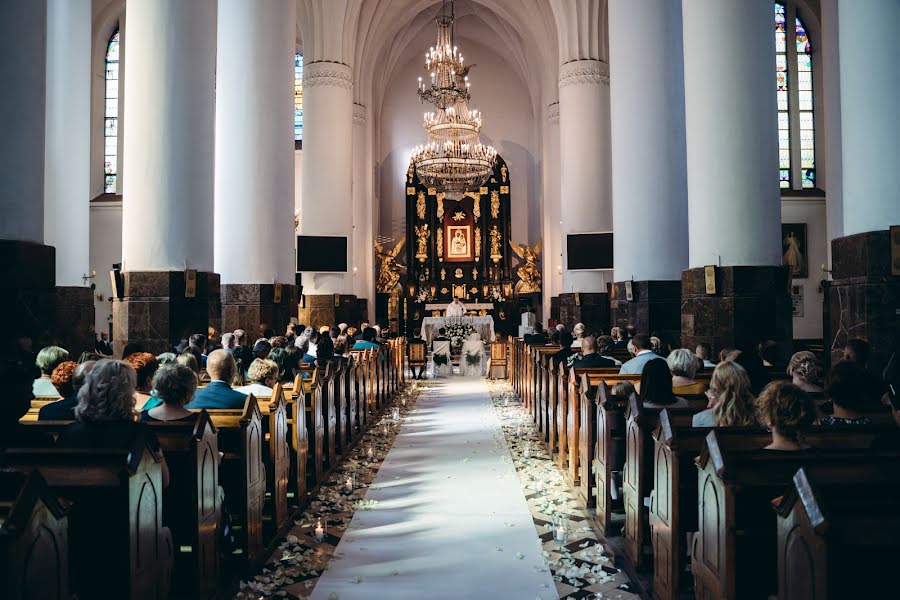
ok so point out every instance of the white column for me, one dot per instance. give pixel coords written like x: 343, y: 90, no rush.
x: 584, y: 161
x: 362, y: 265
x: 167, y: 208
x: 870, y: 121
x: 254, y: 157
x: 68, y: 139
x: 326, y: 199
x: 734, y: 207
x: 551, y: 259
x: 831, y: 85
x: 649, y: 181
x: 23, y: 46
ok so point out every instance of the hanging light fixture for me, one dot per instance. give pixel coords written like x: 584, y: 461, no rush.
x: 453, y: 160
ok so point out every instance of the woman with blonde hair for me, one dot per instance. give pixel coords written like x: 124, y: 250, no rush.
x: 730, y: 402
x: 804, y: 371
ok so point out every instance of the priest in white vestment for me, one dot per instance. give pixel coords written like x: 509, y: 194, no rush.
x: 456, y: 309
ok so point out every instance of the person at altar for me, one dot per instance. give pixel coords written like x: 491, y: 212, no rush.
x: 456, y: 309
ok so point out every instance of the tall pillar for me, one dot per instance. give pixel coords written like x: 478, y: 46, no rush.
x: 585, y: 188
x: 362, y: 263
x: 67, y: 168
x: 254, y: 163
x: 327, y: 195
x: 649, y: 178
x: 734, y: 213
x: 864, y: 297
x: 552, y: 219
x: 26, y: 263
x: 170, y: 289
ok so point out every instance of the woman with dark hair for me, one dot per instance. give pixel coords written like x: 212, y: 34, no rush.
x: 174, y: 386
x: 656, y: 386
x: 756, y: 371
x: 325, y: 353
x: 368, y: 340
x: 286, y: 364
x: 848, y: 389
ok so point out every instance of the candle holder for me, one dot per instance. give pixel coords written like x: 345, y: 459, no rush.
x: 320, y: 530
x: 395, y: 414
x: 539, y: 485
x: 385, y: 430
x: 370, y: 454
x: 349, y: 485
x: 561, y: 529
x: 527, y: 452
x: 506, y: 401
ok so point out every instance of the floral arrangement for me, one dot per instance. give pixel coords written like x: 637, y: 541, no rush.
x: 496, y: 294
x: 441, y: 359
x: 459, y: 329
x: 424, y: 296
x: 473, y: 359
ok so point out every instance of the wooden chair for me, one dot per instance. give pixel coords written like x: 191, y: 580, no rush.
x: 417, y: 356
x: 498, y: 360
x: 34, y: 539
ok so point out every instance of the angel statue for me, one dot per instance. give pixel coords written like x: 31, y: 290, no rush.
x: 388, y: 268
x: 529, y: 273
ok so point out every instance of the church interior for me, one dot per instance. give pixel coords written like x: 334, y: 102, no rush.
x: 350, y: 299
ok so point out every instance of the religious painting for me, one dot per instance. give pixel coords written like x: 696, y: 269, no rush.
x: 459, y: 243
x: 793, y: 249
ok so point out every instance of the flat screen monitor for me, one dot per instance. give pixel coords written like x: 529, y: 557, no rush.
x: 588, y: 251
x: 322, y: 253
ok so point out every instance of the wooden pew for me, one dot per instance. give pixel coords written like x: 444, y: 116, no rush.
x: 34, y: 539
x: 191, y: 506
x: 351, y: 393
x: 242, y: 473
x: 276, y: 456
x: 298, y: 436
x: 118, y: 546
x: 327, y: 401
x: 823, y: 530
x: 734, y: 552
x: 542, y: 358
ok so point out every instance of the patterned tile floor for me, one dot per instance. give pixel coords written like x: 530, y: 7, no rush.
x: 583, y: 568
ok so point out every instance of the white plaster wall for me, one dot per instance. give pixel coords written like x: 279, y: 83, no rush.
x: 509, y: 125
x: 811, y: 212
x: 106, y: 249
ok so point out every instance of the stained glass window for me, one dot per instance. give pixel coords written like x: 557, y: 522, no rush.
x: 794, y: 90
x: 111, y: 116
x: 298, y: 97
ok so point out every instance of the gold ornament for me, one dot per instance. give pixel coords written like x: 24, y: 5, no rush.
x: 495, y: 204
x: 440, y: 205
x: 495, y: 244
x: 443, y: 274
x: 478, y: 243
x: 388, y: 268
x: 458, y: 273
x: 440, y: 243
x: 459, y: 215
x: 474, y: 272
x: 504, y: 189
x: 422, y: 235
x: 409, y: 173
x: 477, y: 203
x: 528, y: 272
x: 420, y: 205
x: 503, y: 172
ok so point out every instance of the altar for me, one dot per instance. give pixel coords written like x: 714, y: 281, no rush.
x: 483, y: 325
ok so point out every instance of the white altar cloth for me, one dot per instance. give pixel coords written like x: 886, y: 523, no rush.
x: 483, y: 325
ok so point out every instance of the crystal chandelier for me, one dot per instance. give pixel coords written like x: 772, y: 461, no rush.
x: 453, y: 160
x: 447, y: 80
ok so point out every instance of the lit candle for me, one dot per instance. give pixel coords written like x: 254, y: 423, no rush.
x: 403, y: 401
x: 539, y: 485
x: 561, y: 534
x: 385, y: 430
x: 527, y: 453
x: 395, y: 414
x: 319, y: 532
x: 349, y: 485
x: 371, y: 453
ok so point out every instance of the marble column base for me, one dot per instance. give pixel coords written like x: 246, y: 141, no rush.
x: 155, y: 313
x: 248, y: 306
x: 328, y: 309
x: 655, y: 307
x: 751, y: 304
x: 28, y: 301
x: 74, y: 315
x: 554, y: 308
x: 863, y: 298
x: 590, y: 308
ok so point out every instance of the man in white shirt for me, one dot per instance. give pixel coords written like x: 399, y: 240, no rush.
x: 456, y: 308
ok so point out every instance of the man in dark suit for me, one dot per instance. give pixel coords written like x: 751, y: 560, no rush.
x: 538, y: 338
x: 103, y: 347
x: 417, y: 341
x: 562, y: 357
x: 218, y: 393
x: 441, y: 336
x: 589, y: 357
x: 64, y: 410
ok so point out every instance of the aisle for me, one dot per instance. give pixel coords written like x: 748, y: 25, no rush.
x: 446, y: 516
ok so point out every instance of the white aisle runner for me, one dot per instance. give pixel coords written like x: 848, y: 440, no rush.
x: 450, y: 518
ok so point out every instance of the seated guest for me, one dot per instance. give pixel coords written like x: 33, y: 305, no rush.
x: 578, y: 332
x: 279, y: 341
x: 589, y: 358
x: 379, y: 336
x: 228, y: 342
x: 166, y: 358
x: 341, y: 347
x: 441, y: 336
x: 102, y: 346
x: 105, y: 413
x: 553, y: 337
x: 218, y: 393
x: 728, y: 354
x: 730, y: 402
x: 562, y: 357
x: 683, y: 365
x: 768, y: 353
x: 86, y: 356
x: 312, y: 349
x: 286, y: 364
x: 643, y: 355
x: 656, y: 345
x: 261, y: 348
x: 174, y: 385
x: 61, y: 378
x: 198, y: 348
x: 188, y: 360
x: 619, y: 341
x: 703, y: 352
x: 804, y: 371
x: 656, y: 386
x: 241, y: 349
x: 64, y: 410
x: 351, y: 335
x: 263, y: 375
x: 293, y: 358
x: 417, y: 341
x: 325, y: 353
x: 342, y: 327
x: 788, y: 412
x: 848, y: 389
x: 623, y: 388
x: 48, y: 359
x: 367, y: 341
x: 605, y: 346
x: 17, y: 396
x: 856, y: 351
x: 145, y: 365
x: 756, y: 371
x: 538, y: 338
x: 131, y: 348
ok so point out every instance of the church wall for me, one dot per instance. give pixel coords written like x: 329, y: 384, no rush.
x: 811, y: 212
x: 106, y: 249
x: 509, y: 125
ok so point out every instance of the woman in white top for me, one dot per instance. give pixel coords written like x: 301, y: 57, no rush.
x: 578, y: 332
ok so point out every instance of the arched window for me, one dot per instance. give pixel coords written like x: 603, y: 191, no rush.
x: 111, y: 116
x: 298, y: 97
x: 794, y: 89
